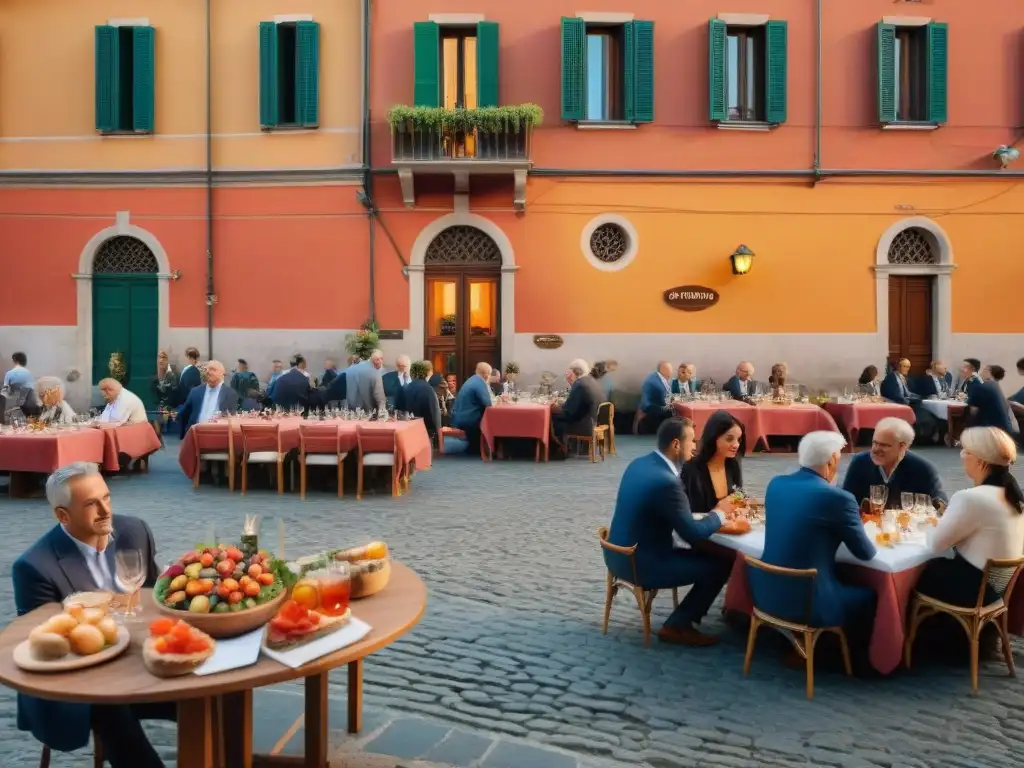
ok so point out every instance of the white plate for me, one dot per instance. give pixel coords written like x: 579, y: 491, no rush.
x: 24, y: 659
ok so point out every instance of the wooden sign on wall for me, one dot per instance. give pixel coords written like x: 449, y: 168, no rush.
x: 691, y: 298
x: 548, y: 341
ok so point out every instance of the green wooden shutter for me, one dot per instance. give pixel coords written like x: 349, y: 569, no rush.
x: 108, y: 92
x: 143, y: 79
x: 487, y: 60
x: 643, y: 72
x: 776, y: 35
x: 574, y: 69
x: 886, y: 73
x: 717, y: 44
x: 307, y: 74
x: 269, y: 111
x: 938, y: 72
x: 426, y: 39
x: 628, y: 71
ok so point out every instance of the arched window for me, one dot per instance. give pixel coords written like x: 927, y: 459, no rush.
x: 123, y: 254
x: 462, y: 244
x: 914, y: 246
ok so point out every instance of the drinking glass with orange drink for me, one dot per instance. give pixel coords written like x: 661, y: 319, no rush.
x: 335, y: 589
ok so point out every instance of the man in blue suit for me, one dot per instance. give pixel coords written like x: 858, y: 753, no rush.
x: 654, y: 397
x: 895, y: 387
x: 190, y: 377
x: 988, y: 405
x: 397, y: 380
x: 937, y: 382
x: 473, y: 399
x: 203, y: 402
x: 890, y: 463
x: 686, y: 381
x: 294, y: 388
x: 808, y: 519
x: 420, y: 399
x: 969, y: 375
x: 651, y: 505
x: 742, y: 385
x: 77, y: 555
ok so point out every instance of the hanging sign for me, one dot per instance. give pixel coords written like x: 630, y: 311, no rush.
x: 691, y: 298
x: 548, y: 341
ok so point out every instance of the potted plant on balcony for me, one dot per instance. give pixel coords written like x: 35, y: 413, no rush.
x: 436, y: 133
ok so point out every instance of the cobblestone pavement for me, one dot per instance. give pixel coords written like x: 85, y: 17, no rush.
x: 510, y: 649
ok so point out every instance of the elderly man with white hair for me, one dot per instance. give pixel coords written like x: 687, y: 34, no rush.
x: 892, y: 464
x: 395, y: 381
x: 364, y: 384
x: 123, y: 407
x: 205, y: 402
x: 578, y: 413
x: 808, y: 518
x: 51, y: 394
x: 473, y: 399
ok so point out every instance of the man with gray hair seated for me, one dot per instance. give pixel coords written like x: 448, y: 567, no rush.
x: 123, y: 407
x: 578, y: 413
x: 808, y: 518
x: 51, y: 394
x: 892, y: 464
x: 365, y: 384
x: 78, y: 555
x: 395, y: 381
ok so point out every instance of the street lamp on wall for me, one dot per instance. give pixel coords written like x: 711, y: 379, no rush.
x: 742, y: 260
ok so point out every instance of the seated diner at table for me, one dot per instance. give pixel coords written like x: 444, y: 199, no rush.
x: 896, y: 387
x: 578, y: 414
x: 123, y: 407
x: 686, y: 381
x: 206, y: 401
x: 987, y: 406
x: 969, y: 375
x: 651, y: 505
x: 807, y: 519
x: 715, y: 472
x: 468, y: 408
x: 742, y: 385
x: 937, y: 382
x: 55, y: 410
x: 654, y: 397
x: 420, y: 399
x: 78, y: 555
x: 867, y: 384
x: 984, y: 522
x: 777, y: 379
x: 1017, y: 398
x: 891, y: 463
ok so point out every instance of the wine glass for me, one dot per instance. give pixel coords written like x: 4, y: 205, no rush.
x: 131, y: 573
x: 879, y: 495
x: 924, y: 503
x: 906, y: 507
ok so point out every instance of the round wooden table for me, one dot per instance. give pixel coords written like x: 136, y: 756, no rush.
x: 221, y: 704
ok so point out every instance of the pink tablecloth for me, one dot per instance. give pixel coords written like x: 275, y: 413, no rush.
x: 853, y: 417
x: 699, y: 413
x: 45, y: 453
x: 795, y: 419
x: 528, y: 420
x: 187, y: 452
x: 133, y: 440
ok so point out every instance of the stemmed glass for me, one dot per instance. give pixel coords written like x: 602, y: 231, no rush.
x: 906, y: 507
x: 879, y: 495
x: 131, y: 573
x: 924, y: 503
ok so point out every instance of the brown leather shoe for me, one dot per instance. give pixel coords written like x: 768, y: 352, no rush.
x: 688, y: 636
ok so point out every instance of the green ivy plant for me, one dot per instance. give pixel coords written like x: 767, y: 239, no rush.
x: 487, y: 119
x: 363, y: 341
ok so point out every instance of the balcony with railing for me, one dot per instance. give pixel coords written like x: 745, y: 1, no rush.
x: 490, y: 140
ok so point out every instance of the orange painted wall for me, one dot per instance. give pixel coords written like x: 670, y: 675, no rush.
x: 986, y: 84
x: 285, y: 257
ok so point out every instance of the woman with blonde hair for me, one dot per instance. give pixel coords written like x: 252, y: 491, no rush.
x: 51, y: 395
x: 982, y: 523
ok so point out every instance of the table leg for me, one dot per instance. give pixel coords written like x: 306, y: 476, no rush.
x: 195, y: 733
x: 237, y: 729
x: 355, y: 696
x: 316, y: 725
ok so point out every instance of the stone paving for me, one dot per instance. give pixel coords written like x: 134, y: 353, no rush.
x: 508, y: 668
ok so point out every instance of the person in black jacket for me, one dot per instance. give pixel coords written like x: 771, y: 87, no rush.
x: 420, y: 399
x: 578, y: 413
x: 715, y: 472
x: 190, y: 376
x: 293, y: 388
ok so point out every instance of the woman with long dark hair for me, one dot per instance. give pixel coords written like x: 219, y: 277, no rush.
x: 867, y: 384
x: 981, y: 523
x: 715, y: 472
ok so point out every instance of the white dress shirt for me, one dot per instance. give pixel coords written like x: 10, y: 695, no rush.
x: 97, y: 564
x: 981, y: 525
x: 127, y: 408
x: 743, y: 386
x: 403, y: 379
x: 684, y: 387
x: 211, y: 397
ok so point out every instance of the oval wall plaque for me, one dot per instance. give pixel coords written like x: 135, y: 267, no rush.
x: 691, y: 298
x: 548, y: 341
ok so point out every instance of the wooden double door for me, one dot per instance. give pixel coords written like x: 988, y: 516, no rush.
x: 463, y: 311
x: 125, y: 319
x: 911, y: 324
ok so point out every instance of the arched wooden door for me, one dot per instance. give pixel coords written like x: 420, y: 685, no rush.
x: 463, y: 301
x: 125, y: 313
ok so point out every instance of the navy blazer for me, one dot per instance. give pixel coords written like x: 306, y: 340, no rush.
x: 47, y: 572
x: 473, y: 399
x: 330, y: 374
x: 649, y: 507
x: 993, y: 410
x: 700, y: 491
x: 808, y: 519
x: 732, y: 386
x: 914, y: 474
x: 292, y: 389
x: 654, y: 394
x: 926, y: 386
x: 227, y: 402
x: 579, y: 411
x: 695, y: 385
x: 893, y: 392
x: 189, y: 380
x: 393, y: 389
x: 420, y: 399
x: 337, y: 390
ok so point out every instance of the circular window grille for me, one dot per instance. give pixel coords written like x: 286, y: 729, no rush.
x: 609, y: 243
x: 912, y: 246
x: 123, y: 254
x: 463, y: 244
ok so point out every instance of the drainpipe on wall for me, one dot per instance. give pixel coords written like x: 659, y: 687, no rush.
x: 211, y: 296
x: 818, y: 113
x: 367, y: 176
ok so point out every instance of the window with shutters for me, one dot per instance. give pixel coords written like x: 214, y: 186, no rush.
x: 607, y: 72
x: 289, y: 74
x: 124, y: 79
x: 912, y: 74
x: 458, y: 67
x: 744, y: 73
x: 455, y: 66
x: 747, y: 70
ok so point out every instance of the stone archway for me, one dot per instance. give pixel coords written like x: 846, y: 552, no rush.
x: 927, y: 251
x: 417, y: 275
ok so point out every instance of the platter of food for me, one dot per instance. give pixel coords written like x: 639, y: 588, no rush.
x: 77, y: 638
x: 174, y: 648
x: 369, y: 566
x: 295, y: 625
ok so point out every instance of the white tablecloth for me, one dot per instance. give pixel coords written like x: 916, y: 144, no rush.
x: 940, y: 408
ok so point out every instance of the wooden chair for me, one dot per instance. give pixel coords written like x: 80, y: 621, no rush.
x: 97, y: 754
x: 209, y: 440
x: 644, y: 597
x: 973, y: 619
x: 320, y: 446
x: 804, y: 637
x: 261, y: 444
x: 386, y: 456
x: 606, y: 419
x: 444, y: 432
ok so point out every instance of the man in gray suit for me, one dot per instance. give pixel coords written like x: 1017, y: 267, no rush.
x: 365, y: 385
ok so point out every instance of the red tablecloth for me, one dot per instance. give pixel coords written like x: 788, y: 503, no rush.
x: 529, y: 420
x: 133, y: 440
x: 853, y: 417
x: 46, y: 453
x: 894, y: 592
x: 411, y: 439
x: 795, y: 419
x: 699, y: 413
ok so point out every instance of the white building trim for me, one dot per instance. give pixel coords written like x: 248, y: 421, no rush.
x: 417, y: 283
x: 942, y: 297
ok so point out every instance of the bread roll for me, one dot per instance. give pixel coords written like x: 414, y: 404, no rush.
x: 93, y: 615
x: 47, y: 646
x: 75, y: 611
x: 86, y: 640
x: 61, y: 624
x: 109, y: 629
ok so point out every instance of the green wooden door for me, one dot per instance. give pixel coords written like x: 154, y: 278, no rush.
x: 124, y: 319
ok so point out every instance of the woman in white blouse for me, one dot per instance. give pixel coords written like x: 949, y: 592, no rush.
x: 51, y: 395
x: 981, y: 523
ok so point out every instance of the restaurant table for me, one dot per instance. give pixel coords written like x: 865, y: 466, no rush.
x: 793, y: 419
x: 124, y: 680
x: 892, y: 574
x: 136, y: 441
x: 28, y: 453
x: 953, y: 412
x: 699, y: 412
x: 853, y: 417
x: 526, y: 420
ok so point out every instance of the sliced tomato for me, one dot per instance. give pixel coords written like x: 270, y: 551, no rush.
x: 197, y: 645
x: 282, y: 624
x: 314, y: 617
x: 160, y: 646
x: 303, y: 626
x: 181, y: 631
x: 161, y: 626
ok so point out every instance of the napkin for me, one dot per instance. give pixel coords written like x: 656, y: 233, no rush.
x: 351, y: 633
x: 234, y: 653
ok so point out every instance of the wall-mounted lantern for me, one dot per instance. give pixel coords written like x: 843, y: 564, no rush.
x: 742, y: 260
